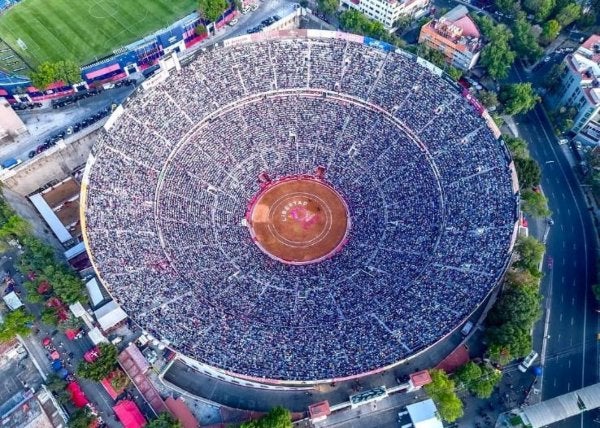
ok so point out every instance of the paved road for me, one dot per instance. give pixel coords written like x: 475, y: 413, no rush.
x: 572, y: 356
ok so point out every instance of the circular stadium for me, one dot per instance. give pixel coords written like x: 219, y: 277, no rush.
x: 300, y: 207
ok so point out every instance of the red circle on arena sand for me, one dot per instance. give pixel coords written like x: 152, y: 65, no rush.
x: 299, y: 220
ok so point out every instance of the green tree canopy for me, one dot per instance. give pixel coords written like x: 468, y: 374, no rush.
x: 356, y: 22
x: 328, y: 7
x: 488, y: 98
x: 50, y: 72
x: 528, y: 171
x: 479, y: 380
x: 530, y: 252
x: 441, y: 391
x: 507, y: 6
x: 517, y: 147
x: 15, y: 322
x: 496, y: 56
x: 568, y: 14
x: 518, y: 305
x: 81, y: 418
x: 507, y: 342
x: 518, y: 98
x: 164, y: 420
x: 550, y: 31
x: 541, y: 9
x: 552, y: 78
x: 278, y: 417
x: 524, y: 41
x: 103, y: 366
x: 534, y: 203
x: 211, y: 10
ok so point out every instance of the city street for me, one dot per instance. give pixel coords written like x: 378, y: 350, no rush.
x: 571, y: 353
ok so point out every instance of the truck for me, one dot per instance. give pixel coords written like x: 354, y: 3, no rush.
x: 528, y: 361
x: 10, y: 163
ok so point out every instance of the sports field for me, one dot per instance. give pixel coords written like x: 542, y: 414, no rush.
x: 83, y: 30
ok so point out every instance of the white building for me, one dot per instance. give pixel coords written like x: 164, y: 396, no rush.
x: 580, y: 86
x: 388, y: 11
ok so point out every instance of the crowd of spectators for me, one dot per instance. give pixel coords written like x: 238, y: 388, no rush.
x: 427, y: 185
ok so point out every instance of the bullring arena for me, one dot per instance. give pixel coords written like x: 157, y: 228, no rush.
x: 301, y: 206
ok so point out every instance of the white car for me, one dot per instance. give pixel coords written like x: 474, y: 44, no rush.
x: 233, y: 22
x: 547, y: 59
x: 254, y: 7
x: 245, y: 10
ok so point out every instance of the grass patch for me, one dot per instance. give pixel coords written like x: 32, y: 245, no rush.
x: 83, y: 30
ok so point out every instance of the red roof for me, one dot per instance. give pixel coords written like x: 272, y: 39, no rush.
x: 129, y: 414
x: 457, y: 358
x: 109, y: 389
x: 71, y: 333
x: 182, y: 413
x: 318, y: 410
x: 77, y: 395
x: 102, y: 71
x: 468, y: 27
x: 420, y: 378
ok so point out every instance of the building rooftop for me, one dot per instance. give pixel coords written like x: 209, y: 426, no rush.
x: 458, y: 27
x: 591, y: 48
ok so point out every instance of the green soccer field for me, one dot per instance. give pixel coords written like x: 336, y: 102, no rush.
x: 83, y: 30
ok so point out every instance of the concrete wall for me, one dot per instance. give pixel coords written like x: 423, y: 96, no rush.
x: 53, y: 165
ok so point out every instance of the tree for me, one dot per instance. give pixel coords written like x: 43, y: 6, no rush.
x: 488, y: 98
x: 530, y: 252
x: 118, y: 380
x: 55, y: 383
x: 68, y: 72
x: 81, y: 418
x: 540, y: 8
x: 484, y: 386
x: 328, y: 7
x: 534, y: 203
x: 568, y: 14
x: 519, y: 305
x: 454, y: 72
x: 200, y: 30
x: 518, y: 98
x: 552, y: 79
x: 49, y: 317
x: 50, y: 72
x: 521, y: 278
x: 524, y: 42
x: 441, y: 391
x: 507, y: 6
x: 43, y: 75
x: 517, y: 147
x: 496, y: 56
x: 588, y: 19
x: 480, y: 380
x: 278, y: 417
x: 211, y: 10
x: 528, y: 171
x: 596, y: 291
x: 164, y: 420
x: 15, y: 322
x: 507, y: 342
x: 355, y: 22
x: 550, y: 31
x: 102, y: 366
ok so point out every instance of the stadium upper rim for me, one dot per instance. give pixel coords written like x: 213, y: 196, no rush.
x: 303, y: 34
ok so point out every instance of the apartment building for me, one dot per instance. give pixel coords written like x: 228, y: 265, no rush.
x: 456, y: 36
x: 388, y: 11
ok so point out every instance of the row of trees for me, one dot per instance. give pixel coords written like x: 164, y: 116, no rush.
x: 511, y: 319
x: 48, y: 72
x: 533, y: 202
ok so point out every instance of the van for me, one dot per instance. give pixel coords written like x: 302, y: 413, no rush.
x: 10, y: 163
x: 528, y: 361
x: 467, y: 328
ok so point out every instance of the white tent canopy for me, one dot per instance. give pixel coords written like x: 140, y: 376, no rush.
x: 109, y: 315
x: 424, y: 414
